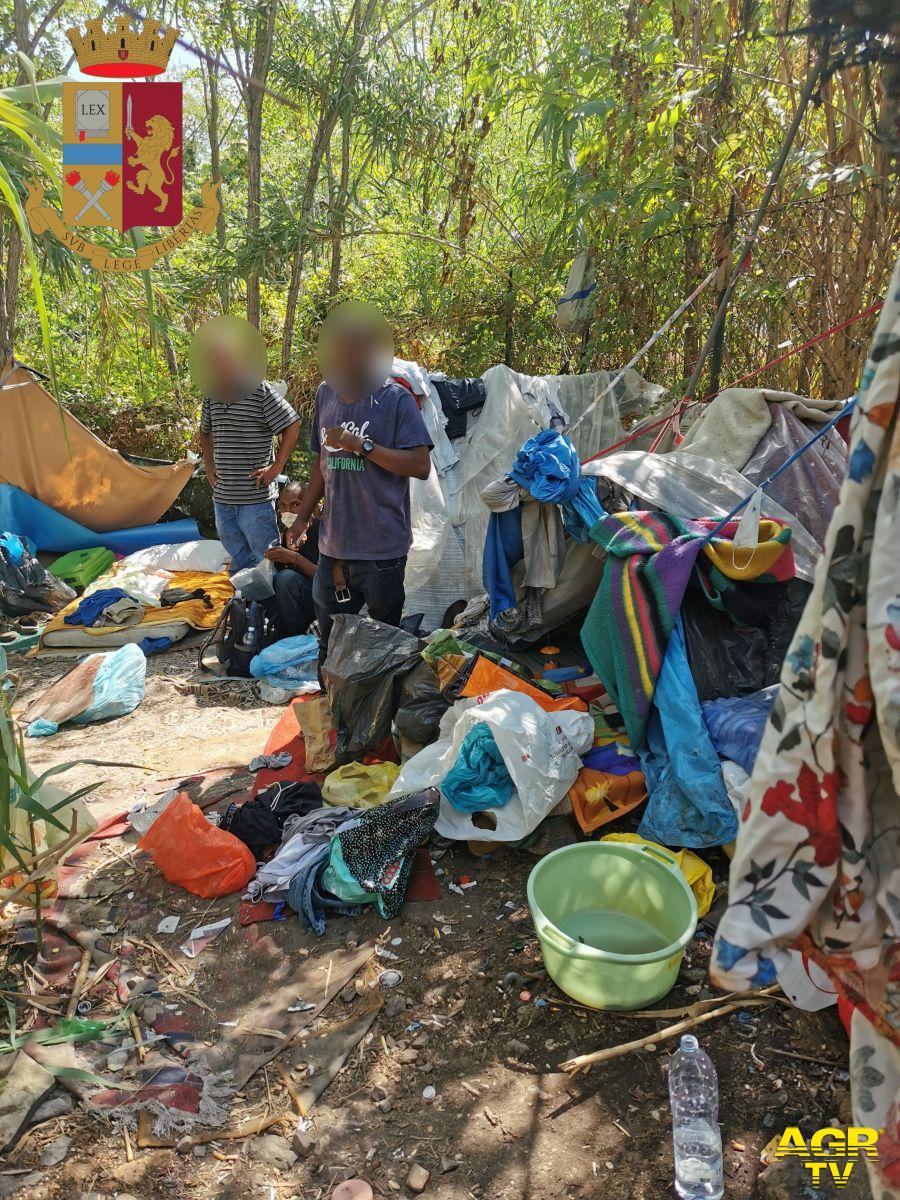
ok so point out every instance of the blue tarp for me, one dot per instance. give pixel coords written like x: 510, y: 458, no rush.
x: 50, y: 530
x: 687, y: 803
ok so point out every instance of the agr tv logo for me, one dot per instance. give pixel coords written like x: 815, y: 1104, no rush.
x: 830, y: 1153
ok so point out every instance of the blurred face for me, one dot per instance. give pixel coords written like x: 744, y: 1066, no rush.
x: 355, y: 350
x: 227, y: 358
x: 289, y: 504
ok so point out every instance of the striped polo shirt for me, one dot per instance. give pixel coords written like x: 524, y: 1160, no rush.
x: 242, y: 434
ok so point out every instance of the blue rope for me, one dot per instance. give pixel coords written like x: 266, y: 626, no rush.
x: 848, y: 408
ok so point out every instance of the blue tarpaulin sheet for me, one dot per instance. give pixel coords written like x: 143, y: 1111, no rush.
x: 50, y: 530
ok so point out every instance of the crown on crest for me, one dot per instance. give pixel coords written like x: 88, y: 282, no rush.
x: 120, y: 52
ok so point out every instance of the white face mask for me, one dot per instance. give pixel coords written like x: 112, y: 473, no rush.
x: 288, y: 519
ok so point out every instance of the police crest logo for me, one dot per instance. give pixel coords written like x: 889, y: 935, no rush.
x: 122, y: 148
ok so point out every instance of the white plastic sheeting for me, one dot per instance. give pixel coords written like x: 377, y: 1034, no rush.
x: 516, y: 408
x: 542, y: 776
x: 690, y: 487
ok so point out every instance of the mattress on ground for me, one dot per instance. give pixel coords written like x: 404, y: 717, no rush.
x: 172, y: 622
x: 79, y: 637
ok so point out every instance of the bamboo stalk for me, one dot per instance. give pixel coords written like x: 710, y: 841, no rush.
x: 583, y: 1061
x: 138, y: 1036
x: 146, y: 1141
x: 289, y: 1087
x: 83, y: 967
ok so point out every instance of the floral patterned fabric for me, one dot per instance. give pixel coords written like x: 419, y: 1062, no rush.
x: 817, y: 866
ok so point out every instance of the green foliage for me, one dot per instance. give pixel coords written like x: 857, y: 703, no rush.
x: 474, y: 145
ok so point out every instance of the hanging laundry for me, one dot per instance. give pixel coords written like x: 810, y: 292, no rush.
x: 549, y: 467
x: 416, y: 378
x: 519, y: 528
x: 459, y: 397
x: 817, y: 863
x: 650, y: 558
x: 479, y: 778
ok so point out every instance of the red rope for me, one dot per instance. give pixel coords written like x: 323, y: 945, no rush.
x: 868, y: 312
x: 820, y: 337
x: 630, y: 438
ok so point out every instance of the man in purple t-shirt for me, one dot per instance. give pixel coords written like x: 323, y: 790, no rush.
x: 369, y: 443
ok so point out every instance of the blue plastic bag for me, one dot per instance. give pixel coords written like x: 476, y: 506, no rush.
x: 118, y: 690
x: 288, y: 663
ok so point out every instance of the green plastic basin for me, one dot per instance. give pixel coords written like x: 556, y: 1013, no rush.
x: 613, y: 921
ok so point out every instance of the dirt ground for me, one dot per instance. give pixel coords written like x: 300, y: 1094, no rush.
x: 487, y: 1028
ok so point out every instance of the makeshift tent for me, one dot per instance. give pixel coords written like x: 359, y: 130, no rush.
x: 449, y: 518
x: 51, y: 456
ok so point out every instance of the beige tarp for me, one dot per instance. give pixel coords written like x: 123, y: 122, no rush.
x: 85, y: 479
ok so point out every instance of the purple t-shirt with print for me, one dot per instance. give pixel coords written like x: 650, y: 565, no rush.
x: 366, y: 508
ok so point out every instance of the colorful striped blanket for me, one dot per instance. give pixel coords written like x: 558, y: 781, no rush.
x: 650, y: 558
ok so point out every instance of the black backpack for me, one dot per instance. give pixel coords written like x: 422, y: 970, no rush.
x: 238, y: 636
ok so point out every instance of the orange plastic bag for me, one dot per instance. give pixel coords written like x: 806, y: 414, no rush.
x: 196, y: 855
x: 488, y: 676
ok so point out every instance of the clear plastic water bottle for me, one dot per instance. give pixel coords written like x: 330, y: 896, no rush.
x: 694, y: 1097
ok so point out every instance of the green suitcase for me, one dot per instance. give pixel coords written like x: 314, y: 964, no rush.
x: 78, y: 568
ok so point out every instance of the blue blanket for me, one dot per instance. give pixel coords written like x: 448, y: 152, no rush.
x: 687, y: 802
x: 50, y: 530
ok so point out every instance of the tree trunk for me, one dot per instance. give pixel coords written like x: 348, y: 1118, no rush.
x: 215, y: 162
x: 339, y: 208
x: 262, y: 49
x: 328, y: 119
x: 11, y: 261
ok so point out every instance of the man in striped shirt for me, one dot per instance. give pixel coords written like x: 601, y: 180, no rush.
x: 238, y: 425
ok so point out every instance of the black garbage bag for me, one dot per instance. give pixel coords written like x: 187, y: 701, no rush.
x: 421, y: 705
x: 727, y: 659
x: 363, y: 673
x: 26, y: 586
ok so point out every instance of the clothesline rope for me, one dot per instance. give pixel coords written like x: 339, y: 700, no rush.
x: 820, y: 433
x: 651, y: 341
x: 813, y: 341
x: 670, y: 417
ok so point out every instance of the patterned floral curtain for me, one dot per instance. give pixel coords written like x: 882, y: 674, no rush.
x: 817, y: 867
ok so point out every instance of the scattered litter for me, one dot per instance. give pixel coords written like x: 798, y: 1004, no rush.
x: 390, y: 979
x: 397, y: 941
x: 201, y: 937
x: 168, y: 924
x: 301, y: 1006
x: 389, y: 955
x: 428, y: 1094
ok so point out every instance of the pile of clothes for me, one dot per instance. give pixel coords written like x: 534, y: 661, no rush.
x: 331, y: 858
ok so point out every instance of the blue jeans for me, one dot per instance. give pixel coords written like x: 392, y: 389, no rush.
x: 294, y: 611
x: 247, y: 531
x: 376, y: 583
